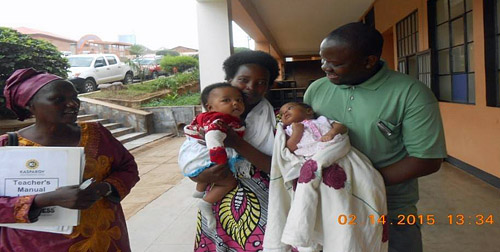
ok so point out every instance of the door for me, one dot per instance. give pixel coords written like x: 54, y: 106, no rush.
x: 116, y: 74
x: 102, y: 70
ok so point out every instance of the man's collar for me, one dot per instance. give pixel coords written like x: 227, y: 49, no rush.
x: 374, y: 82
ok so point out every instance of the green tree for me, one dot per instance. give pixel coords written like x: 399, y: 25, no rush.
x: 167, y: 52
x: 21, y: 51
x: 182, y: 63
x: 241, y: 49
x: 137, y: 50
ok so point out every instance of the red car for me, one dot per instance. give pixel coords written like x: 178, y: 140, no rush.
x: 150, y: 67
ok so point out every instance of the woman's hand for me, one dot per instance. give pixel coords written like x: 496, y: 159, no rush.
x: 212, y: 174
x: 71, y: 196
x: 232, y: 139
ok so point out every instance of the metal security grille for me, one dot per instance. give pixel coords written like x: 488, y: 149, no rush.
x: 424, y: 67
x: 407, y: 43
x: 407, y: 35
x: 453, y: 46
x: 497, y: 17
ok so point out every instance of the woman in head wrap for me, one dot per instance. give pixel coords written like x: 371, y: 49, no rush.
x: 55, y: 105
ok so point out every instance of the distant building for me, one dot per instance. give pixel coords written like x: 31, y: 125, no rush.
x: 91, y: 43
x: 64, y: 45
x: 185, y: 50
x: 128, y: 38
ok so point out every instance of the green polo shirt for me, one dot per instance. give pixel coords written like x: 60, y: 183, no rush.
x: 389, y: 116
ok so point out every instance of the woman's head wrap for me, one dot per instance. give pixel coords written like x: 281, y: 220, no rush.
x: 21, y: 86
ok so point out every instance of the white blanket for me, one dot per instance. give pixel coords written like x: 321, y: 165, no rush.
x: 321, y: 213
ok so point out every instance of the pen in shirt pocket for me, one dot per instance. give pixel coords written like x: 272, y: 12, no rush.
x: 382, y: 127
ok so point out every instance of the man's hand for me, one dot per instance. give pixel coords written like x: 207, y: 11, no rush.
x: 409, y: 168
x: 326, y: 137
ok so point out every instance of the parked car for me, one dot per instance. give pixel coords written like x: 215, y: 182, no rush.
x: 150, y: 67
x: 89, y: 70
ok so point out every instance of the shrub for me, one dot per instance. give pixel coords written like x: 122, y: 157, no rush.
x: 177, y: 80
x: 21, y: 51
x: 182, y: 63
x: 176, y: 100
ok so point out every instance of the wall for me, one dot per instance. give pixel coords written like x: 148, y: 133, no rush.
x: 472, y: 131
x: 140, y: 120
x: 388, y: 50
x: 62, y: 45
x: 7, y: 125
x: 168, y: 119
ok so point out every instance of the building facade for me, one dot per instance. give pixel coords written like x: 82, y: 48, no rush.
x: 65, y: 45
x: 91, y: 43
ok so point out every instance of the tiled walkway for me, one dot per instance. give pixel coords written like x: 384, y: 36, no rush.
x: 162, y: 212
x: 158, y: 171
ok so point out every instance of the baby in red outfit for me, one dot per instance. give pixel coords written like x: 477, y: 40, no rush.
x: 223, y: 103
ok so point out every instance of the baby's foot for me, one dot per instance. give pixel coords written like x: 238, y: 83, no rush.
x: 206, y: 211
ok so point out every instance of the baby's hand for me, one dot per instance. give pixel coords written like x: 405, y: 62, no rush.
x: 298, y: 127
x: 326, y: 137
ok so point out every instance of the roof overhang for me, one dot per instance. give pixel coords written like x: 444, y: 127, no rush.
x: 295, y: 27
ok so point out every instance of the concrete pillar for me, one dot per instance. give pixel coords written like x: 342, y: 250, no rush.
x: 263, y: 46
x: 214, y: 39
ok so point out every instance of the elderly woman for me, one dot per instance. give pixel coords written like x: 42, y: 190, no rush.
x: 241, y: 216
x: 54, y: 103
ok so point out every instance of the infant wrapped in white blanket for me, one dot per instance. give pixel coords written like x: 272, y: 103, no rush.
x: 334, y: 200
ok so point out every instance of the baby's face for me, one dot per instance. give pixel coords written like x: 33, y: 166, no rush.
x: 227, y: 100
x: 292, y: 112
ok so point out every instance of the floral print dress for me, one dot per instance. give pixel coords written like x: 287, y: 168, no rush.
x: 102, y: 226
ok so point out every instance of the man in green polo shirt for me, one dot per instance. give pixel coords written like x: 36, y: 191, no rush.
x: 392, y: 118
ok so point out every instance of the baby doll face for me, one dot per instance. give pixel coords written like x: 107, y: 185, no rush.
x: 293, y: 112
x: 227, y: 100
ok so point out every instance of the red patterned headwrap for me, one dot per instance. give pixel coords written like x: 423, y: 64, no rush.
x: 21, y: 86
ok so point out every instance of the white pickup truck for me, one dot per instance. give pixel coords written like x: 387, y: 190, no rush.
x: 89, y: 70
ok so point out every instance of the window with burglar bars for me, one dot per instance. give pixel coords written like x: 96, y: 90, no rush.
x: 491, y: 11
x: 497, y: 17
x: 453, y: 50
x: 424, y: 67
x: 407, y: 43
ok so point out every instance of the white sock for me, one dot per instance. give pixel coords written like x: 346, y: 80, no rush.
x: 198, y: 195
x: 206, y: 211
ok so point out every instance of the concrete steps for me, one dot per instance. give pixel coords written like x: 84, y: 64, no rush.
x: 147, y: 139
x: 131, y: 136
x: 111, y: 126
x: 100, y: 120
x: 122, y: 131
x: 86, y: 117
x: 126, y: 135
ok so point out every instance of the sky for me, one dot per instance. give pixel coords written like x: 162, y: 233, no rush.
x: 155, y: 23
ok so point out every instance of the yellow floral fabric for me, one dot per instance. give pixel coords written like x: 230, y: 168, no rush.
x: 102, y: 226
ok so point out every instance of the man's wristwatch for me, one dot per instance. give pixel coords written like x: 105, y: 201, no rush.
x: 110, y: 189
